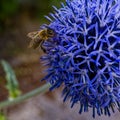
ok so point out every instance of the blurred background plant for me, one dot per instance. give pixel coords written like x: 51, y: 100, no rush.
x: 12, y: 87
x: 2, y: 116
x: 36, y: 9
x: 8, y: 8
x: 17, y: 18
x: 12, y: 84
x: 14, y: 92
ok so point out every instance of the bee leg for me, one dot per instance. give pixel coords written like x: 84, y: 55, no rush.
x: 41, y: 45
x: 43, y: 49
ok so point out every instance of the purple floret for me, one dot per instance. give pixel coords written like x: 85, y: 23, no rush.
x: 84, y: 55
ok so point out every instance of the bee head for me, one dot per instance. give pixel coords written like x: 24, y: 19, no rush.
x: 50, y: 32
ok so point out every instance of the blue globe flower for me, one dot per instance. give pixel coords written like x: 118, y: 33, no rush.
x: 84, y: 55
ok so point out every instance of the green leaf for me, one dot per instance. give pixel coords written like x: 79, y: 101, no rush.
x: 12, y: 83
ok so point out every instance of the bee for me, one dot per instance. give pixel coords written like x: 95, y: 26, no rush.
x: 38, y: 37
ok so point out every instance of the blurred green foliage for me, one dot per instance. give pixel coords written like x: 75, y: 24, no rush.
x: 12, y: 83
x: 2, y: 116
x: 9, y: 9
x: 57, y: 2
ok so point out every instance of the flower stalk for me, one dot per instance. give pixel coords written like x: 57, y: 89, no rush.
x: 22, y: 98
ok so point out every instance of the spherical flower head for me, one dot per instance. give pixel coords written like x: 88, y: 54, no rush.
x: 84, y: 55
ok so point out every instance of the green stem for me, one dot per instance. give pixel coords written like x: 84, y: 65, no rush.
x: 19, y: 99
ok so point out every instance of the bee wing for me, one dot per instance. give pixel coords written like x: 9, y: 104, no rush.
x: 32, y: 34
x: 31, y: 44
x: 34, y: 44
